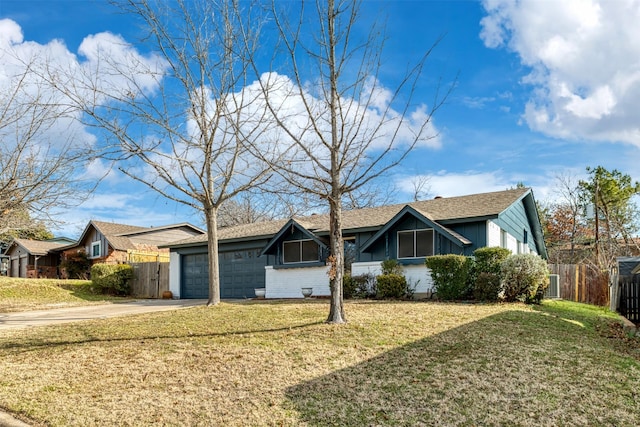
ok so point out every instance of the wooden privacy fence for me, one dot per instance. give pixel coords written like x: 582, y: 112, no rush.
x: 150, y: 279
x: 582, y: 283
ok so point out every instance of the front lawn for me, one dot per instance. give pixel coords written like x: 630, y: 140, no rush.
x: 277, y: 363
x: 17, y: 294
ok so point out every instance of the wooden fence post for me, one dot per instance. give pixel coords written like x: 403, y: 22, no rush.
x: 577, y: 274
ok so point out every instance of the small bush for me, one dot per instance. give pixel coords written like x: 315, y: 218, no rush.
x: 361, y: 286
x: 391, y: 266
x: 522, y: 276
x: 487, y: 287
x: 393, y: 286
x: 112, y: 278
x: 348, y: 286
x: 450, y: 274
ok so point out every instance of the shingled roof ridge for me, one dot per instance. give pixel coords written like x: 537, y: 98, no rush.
x: 121, y: 228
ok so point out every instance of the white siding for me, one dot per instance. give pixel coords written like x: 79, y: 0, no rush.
x: 493, y: 234
x: 174, y: 274
x: 417, y: 275
x: 288, y: 282
x: 512, y: 243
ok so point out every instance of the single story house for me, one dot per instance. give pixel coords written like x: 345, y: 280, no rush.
x: 33, y: 258
x: 112, y: 243
x: 284, y: 256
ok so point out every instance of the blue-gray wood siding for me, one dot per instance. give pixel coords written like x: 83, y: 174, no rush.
x: 476, y: 232
x: 387, y: 245
x: 515, y: 222
x: 274, y: 256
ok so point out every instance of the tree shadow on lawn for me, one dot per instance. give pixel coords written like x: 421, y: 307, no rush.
x: 84, y: 337
x: 512, y: 368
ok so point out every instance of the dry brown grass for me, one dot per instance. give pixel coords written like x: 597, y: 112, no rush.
x: 277, y: 363
x: 18, y: 294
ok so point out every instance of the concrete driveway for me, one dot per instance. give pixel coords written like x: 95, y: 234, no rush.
x: 27, y: 319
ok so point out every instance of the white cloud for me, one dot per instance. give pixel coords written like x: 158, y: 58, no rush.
x: 10, y: 33
x: 584, y: 58
x: 477, y: 102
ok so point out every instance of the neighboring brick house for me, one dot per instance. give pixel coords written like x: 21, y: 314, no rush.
x: 111, y: 243
x: 102, y: 242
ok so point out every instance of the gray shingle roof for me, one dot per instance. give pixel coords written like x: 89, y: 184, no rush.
x: 38, y: 247
x: 439, y: 209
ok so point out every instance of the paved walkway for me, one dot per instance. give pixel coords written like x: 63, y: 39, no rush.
x: 27, y: 319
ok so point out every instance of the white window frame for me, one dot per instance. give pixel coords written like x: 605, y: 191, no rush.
x: 415, y: 242
x: 301, y: 260
x: 97, y: 244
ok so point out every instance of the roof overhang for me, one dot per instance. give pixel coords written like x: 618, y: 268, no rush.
x: 289, y: 227
x: 456, y: 238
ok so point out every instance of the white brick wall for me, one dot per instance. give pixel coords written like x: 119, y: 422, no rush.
x: 417, y: 275
x: 287, y: 282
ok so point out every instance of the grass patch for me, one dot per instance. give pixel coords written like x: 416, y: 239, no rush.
x: 277, y: 363
x: 18, y: 294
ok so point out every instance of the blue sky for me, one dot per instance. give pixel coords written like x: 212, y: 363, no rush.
x: 544, y: 89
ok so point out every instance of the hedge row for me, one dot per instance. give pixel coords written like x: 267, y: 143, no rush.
x: 492, y: 274
x: 112, y: 278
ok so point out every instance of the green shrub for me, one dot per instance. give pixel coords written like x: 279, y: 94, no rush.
x: 112, y: 278
x: 488, y: 260
x: 361, y: 286
x: 348, y: 286
x: 487, y: 287
x: 393, y: 286
x: 76, y: 266
x: 450, y: 274
x: 523, y: 275
x: 485, y: 275
x: 391, y: 266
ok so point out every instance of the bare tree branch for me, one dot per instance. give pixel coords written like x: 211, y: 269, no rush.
x: 183, y: 113
x: 348, y: 129
x: 42, y: 153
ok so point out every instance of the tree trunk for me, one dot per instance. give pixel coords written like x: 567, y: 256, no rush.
x: 210, y: 213
x: 336, y: 271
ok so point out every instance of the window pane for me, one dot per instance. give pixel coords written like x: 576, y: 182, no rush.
x: 310, y: 250
x: 405, y: 244
x: 291, y: 251
x: 95, y: 250
x: 424, y: 243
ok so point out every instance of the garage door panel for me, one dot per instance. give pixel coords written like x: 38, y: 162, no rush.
x: 240, y: 273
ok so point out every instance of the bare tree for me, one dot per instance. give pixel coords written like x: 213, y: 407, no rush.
x: 421, y: 187
x: 251, y: 207
x: 347, y: 129
x: 565, y: 222
x: 185, y: 115
x: 42, y: 153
